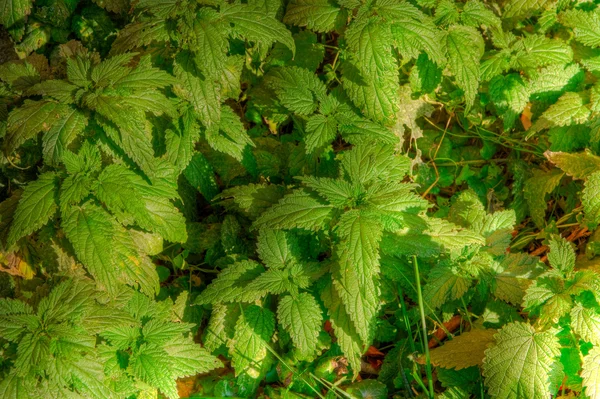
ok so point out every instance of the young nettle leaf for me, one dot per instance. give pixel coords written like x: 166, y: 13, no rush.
x: 537, y: 188
x: 551, y: 295
x: 445, y: 284
x: 231, y: 284
x: 465, y: 49
x: 301, y: 317
x: 36, y: 207
x: 326, y: 115
x: 319, y: 16
x: 277, y: 248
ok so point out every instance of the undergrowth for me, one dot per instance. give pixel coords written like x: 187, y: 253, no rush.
x: 299, y: 199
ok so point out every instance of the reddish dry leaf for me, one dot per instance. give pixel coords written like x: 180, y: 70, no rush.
x: 440, y: 334
x: 185, y: 386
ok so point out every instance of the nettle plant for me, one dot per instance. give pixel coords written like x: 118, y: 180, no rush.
x: 79, y: 342
x: 284, y: 153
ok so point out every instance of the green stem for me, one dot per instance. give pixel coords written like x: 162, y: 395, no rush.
x: 407, y: 322
x: 423, y: 327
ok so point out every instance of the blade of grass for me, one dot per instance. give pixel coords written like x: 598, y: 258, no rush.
x: 423, y: 327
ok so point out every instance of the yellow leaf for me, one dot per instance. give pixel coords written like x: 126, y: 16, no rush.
x: 26, y: 270
x: 464, y: 351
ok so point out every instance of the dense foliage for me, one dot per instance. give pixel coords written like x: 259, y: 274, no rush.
x: 299, y: 198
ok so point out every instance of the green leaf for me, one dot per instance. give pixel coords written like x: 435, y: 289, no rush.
x: 139, y: 34
x: 317, y: 15
x: 358, y: 268
x: 344, y: 329
x: 301, y: 317
x: 360, y: 131
x: 252, y: 199
x: 585, y: 25
x: 540, y: 50
x: 62, y: 134
x: 276, y: 248
x: 476, y: 13
x: 230, y: 285
x: 320, y: 131
x: 202, y: 93
x: 514, y: 275
x: 570, y: 109
x: 371, y: 42
x: 211, y: 43
x: 106, y: 249
x: 112, y: 69
x: 15, y: 387
x: 523, y: 364
x: 413, y: 31
x: 14, y: 326
x: 90, y: 230
x: 425, y: 75
x: 336, y: 191
x: 180, y: 142
x: 273, y: 281
x: 127, y: 127
x: 510, y: 96
x: 200, y: 174
x: 536, y: 189
x: 585, y: 322
x: 28, y: 120
x: 579, y: 166
x: 33, y: 351
x: 297, y: 89
x: 116, y: 6
x: 13, y: 14
x: 465, y: 49
x: 374, y: 162
x: 144, y: 76
x: 151, y: 364
x: 377, y: 96
x: 229, y: 136
x: 299, y: 209
x: 100, y: 319
x: 125, y: 192
x: 248, y: 349
x: 591, y: 373
x: 36, y: 207
x: 445, y: 284
x: 524, y: 8
x: 221, y: 325
x: 254, y: 25
x: 188, y: 358
x: 395, y: 199
x: 430, y: 237
x: 561, y: 255
x: 158, y: 332
x: 590, y: 199
x: 60, y: 90
x: 554, y: 80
